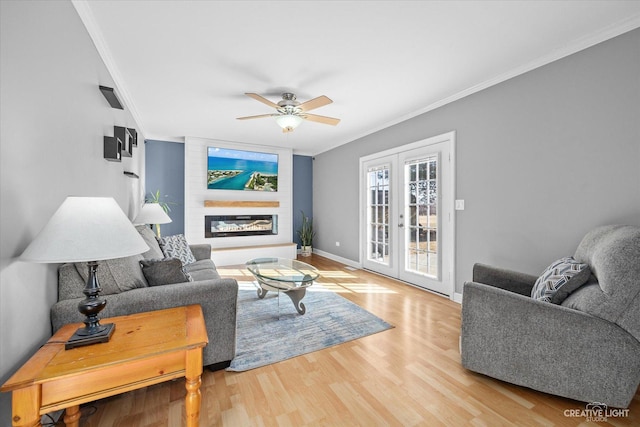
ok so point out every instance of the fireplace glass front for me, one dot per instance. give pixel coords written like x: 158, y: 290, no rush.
x: 240, y: 225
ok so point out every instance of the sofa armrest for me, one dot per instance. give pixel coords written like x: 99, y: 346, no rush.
x: 201, y: 251
x: 547, y: 347
x: 514, y: 281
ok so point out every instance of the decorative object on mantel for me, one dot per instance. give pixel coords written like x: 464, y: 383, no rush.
x: 87, y: 229
x: 306, y: 234
x: 111, y: 97
x: 241, y: 204
x: 152, y: 213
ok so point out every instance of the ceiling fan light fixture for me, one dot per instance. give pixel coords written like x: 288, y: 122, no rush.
x: 290, y: 113
x: 288, y: 121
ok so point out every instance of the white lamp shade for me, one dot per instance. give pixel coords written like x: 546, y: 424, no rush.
x: 288, y: 121
x: 152, y: 213
x: 86, y: 229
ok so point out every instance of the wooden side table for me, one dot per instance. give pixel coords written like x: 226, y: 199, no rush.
x: 145, y: 349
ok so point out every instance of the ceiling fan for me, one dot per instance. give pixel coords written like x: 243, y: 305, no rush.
x: 290, y: 112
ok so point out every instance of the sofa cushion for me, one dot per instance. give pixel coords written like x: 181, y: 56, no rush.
x: 203, y: 269
x: 151, y: 240
x: 177, y: 247
x: 560, y: 279
x: 165, y: 271
x: 116, y: 275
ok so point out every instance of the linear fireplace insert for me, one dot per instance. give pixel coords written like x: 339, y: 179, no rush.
x: 240, y: 225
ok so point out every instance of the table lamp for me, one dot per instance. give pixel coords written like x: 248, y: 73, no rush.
x: 152, y: 213
x: 87, y: 229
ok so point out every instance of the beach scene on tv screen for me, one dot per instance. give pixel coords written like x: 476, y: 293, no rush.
x: 241, y: 170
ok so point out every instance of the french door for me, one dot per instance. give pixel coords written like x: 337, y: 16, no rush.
x: 407, y: 213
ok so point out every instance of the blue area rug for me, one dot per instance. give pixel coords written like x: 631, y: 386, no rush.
x: 265, y: 337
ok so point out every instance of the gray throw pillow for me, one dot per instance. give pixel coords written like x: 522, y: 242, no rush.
x: 164, y: 271
x: 151, y: 240
x: 177, y: 247
x: 116, y: 275
x: 560, y: 279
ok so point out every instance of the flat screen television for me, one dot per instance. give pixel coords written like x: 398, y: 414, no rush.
x: 229, y: 169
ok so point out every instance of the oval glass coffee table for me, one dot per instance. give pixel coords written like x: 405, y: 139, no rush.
x: 289, y: 276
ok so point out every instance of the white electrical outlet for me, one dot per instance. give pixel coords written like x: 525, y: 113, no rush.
x: 337, y: 243
x: 459, y: 205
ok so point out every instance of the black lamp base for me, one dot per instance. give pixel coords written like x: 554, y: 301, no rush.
x: 80, y: 338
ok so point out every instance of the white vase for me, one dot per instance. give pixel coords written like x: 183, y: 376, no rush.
x: 305, y: 250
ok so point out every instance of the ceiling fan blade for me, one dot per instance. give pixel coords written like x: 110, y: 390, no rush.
x: 321, y: 119
x: 256, y: 117
x: 314, y: 103
x: 263, y: 100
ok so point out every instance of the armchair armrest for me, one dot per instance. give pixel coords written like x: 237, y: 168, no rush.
x: 514, y: 281
x: 201, y: 251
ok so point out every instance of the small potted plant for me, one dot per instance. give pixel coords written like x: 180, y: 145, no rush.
x: 306, y: 233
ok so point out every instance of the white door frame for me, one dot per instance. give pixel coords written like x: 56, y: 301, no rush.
x: 448, y: 200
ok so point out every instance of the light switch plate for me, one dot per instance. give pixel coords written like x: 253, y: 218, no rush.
x: 459, y: 205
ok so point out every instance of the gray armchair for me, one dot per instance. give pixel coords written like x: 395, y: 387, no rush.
x: 587, y: 348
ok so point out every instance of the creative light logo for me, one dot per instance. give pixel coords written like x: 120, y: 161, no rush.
x: 596, y: 412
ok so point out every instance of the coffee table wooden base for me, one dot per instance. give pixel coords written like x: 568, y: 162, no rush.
x: 146, y: 349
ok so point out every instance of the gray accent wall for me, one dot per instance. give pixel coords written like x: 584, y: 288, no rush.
x: 302, y: 191
x: 165, y: 172
x: 52, y: 122
x: 540, y: 160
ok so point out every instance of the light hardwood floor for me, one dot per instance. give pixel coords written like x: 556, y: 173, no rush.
x: 406, y: 376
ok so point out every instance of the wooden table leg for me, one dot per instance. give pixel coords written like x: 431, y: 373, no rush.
x: 26, y: 407
x: 72, y: 416
x: 193, y: 380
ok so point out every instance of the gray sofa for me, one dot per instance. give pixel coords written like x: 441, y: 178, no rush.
x: 587, y: 348
x: 127, y: 291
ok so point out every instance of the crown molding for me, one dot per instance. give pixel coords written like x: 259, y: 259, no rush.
x: 86, y: 16
x: 582, y: 43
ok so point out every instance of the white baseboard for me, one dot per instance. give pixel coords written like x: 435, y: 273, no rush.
x: 457, y: 297
x: 337, y: 258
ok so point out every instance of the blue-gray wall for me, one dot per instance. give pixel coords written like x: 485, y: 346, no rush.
x: 302, y: 191
x: 164, y: 167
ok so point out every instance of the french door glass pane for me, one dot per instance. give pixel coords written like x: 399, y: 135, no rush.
x: 378, y: 215
x: 421, y: 251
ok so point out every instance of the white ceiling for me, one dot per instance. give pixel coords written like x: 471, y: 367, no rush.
x: 182, y: 67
